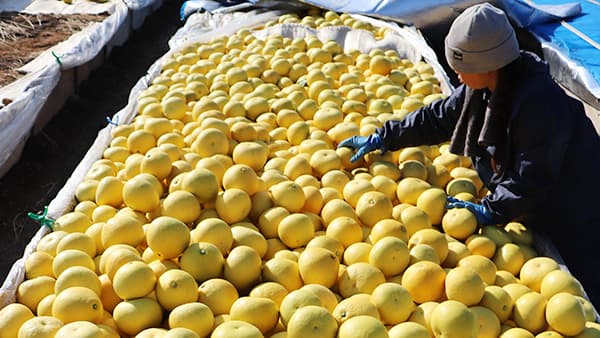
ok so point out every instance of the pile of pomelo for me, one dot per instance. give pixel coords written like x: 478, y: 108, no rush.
x: 225, y: 209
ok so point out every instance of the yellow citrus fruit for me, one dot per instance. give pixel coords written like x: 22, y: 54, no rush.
x: 354, y: 189
x: 519, y: 233
x: 78, y: 329
x: 202, y: 260
x: 108, y: 296
x: 393, y: 302
x: 456, y: 251
x: 295, y: 230
x: 516, y: 332
x: 289, y: 195
x: 482, y: 265
x: 45, y: 306
x: 241, y: 176
x: 336, y: 208
x: 328, y: 298
x: 109, y: 191
x: 210, y: 141
x: 12, y: 316
x: 71, y: 257
x: 41, y: 326
x: 372, y: 207
x: 218, y: 294
x: 242, y: 267
x: 357, y: 252
x: 422, y: 315
x: 461, y: 184
x: 318, y: 266
x: 345, y: 229
x: 560, y: 281
x: 168, y: 237
x: 408, y: 330
x: 78, y: 276
x: 362, y: 326
x: 516, y: 290
x: 123, y: 229
x: 425, y: 281
x: 236, y: 328
x: 464, y: 284
x: 312, y: 321
x: 140, y: 193
x: 355, y: 305
x: 481, y: 245
x: 433, y: 202
x: 498, y: 300
x: 180, y: 332
x: 253, y: 154
x: 283, y: 271
x: 390, y: 255
x: 489, y: 324
x: 459, y: 223
x: 388, y: 227
x: 50, y: 241
x: 175, y: 287
x: 509, y: 257
x: 201, y: 182
x: 410, y: 188
x: 414, y: 219
x: 233, y: 205
x: 182, y: 205
x: 247, y: 308
x: 215, y: 231
x: 136, y: 315
x: 134, y: 279
x: 249, y: 236
x: 74, y: 221
x: 111, y: 261
x: 529, y: 311
x: 359, y: 278
x: 433, y: 238
x: 271, y: 290
x: 193, y: 316
x: 534, y: 270
x: 454, y: 319
x: 496, y: 234
x: 295, y: 300
x: 38, y: 263
x: 77, y: 303
x: 565, y: 314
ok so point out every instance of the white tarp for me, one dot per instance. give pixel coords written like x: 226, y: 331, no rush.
x: 29, y: 93
x: 205, y: 28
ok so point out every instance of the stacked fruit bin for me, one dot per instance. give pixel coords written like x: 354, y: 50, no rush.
x: 222, y: 207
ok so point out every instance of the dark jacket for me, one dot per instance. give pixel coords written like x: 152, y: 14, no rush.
x: 548, y: 167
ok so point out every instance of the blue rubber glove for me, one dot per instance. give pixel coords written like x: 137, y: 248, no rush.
x: 363, y: 144
x: 482, y: 214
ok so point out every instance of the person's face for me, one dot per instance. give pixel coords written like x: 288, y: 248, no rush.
x: 474, y: 80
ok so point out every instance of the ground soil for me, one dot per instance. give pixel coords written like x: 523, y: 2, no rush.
x: 50, y: 156
x: 25, y: 36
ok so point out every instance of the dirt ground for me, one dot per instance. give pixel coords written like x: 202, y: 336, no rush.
x: 25, y: 36
x: 51, y: 155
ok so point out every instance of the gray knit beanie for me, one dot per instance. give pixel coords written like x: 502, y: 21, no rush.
x: 481, y: 40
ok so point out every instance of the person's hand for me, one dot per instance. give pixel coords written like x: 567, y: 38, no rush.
x: 363, y: 145
x: 482, y: 214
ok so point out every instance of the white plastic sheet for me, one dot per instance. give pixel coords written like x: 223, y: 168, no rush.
x: 29, y: 93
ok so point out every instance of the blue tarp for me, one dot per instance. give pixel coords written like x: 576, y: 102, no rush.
x: 576, y: 36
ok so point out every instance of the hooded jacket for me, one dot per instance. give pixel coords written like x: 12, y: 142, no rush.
x: 539, y: 156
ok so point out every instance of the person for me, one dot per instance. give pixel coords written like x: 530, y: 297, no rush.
x: 532, y: 145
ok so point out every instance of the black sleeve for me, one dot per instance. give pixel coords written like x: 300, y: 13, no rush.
x: 537, y: 155
x: 432, y: 124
